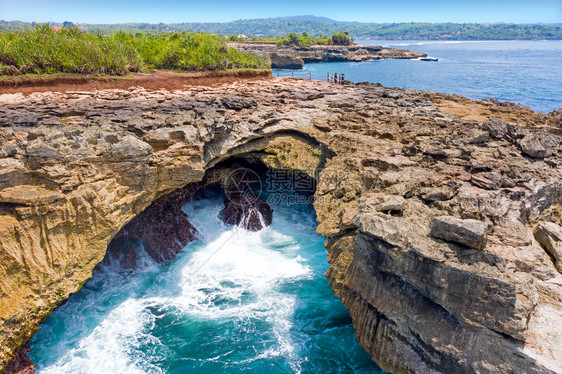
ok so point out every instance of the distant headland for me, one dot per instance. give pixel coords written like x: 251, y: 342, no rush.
x: 279, y: 26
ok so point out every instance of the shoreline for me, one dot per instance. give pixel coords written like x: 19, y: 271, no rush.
x: 294, y: 57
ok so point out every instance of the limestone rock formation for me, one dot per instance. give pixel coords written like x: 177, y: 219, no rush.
x: 294, y: 57
x: 549, y: 235
x: 285, y: 61
x: 163, y: 229
x: 469, y: 232
x: 77, y: 167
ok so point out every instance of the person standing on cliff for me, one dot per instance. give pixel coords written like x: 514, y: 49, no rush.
x: 342, y: 79
x: 336, y: 78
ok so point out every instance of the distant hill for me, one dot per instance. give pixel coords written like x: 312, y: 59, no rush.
x: 317, y: 19
x: 314, y: 26
x: 444, y: 31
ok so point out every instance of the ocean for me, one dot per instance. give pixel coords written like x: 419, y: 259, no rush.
x: 232, y: 302
x: 523, y: 72
x: 258, y: 302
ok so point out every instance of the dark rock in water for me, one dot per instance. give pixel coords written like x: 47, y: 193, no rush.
x: 21, y: 363
x: 246, y: 211
x: 165, y: 230
x: 162, y: 230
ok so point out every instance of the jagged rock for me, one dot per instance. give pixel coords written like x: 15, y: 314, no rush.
x: 477, y: 136
x: 438, y: 154
x: 469, y: 232
x: 496, y: 128
x: 238, y: 103
x: 129, y: 147
x: 436, y: 194
x: 284, y: 61
x: 532, y: 145
x: 38, y: 148
x: 486, y: 183
x: 21, y: 364
x: 252, y: 214
x: 383, y: 203
x: 162, y: 230
x: 293, y: 57
x: 158, y: 139
x: 549, y: 235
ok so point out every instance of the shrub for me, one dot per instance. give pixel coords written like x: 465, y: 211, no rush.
x: 42, y: 50
x: 293, y: 39
x: 342, y: 38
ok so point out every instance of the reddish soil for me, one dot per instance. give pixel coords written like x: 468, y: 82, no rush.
x: 159, y: 79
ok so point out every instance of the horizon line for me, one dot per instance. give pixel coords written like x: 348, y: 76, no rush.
x: 288, y: 17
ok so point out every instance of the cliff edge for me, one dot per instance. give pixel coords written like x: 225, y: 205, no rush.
x: 442, y: 215
x: 294, y: 57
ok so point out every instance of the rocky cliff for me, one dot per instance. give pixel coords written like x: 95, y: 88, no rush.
x: 294, y: 57
x: 442, y: 214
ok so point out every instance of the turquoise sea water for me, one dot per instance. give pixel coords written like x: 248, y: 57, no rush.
x: 524, y: 72
x: 232, y: 302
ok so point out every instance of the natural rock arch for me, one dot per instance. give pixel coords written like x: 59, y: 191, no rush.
x: 76, y: 167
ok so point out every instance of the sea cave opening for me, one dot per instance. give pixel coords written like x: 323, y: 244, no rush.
x: 224, y: 275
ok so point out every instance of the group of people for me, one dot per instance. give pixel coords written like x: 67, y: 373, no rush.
x: 337, y: 79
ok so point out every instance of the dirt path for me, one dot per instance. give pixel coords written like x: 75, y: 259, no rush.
x: 158, y: 80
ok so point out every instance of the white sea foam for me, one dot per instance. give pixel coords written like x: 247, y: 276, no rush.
x: 106, y: 349
x: 220, y: 276
x: 232, y: 274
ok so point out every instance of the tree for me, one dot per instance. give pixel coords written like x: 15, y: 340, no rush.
x: 67, y: 24
x: 342, y: 38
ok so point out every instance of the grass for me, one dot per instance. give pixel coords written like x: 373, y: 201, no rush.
x: 44, y: 51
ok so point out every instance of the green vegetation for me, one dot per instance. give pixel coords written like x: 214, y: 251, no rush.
x: 304, y: 40
x: 341, y: 38
x: 277, y: 27
x: 314, y: 26
x: 42, y: 50
x: 424, y: 31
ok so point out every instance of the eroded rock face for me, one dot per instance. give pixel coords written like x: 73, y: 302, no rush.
x: 21, y: 364
x: 75, y: 168
x: 549, y: 235
x: 163, y: 229
x: 294, y: 57
x: 469, y: 232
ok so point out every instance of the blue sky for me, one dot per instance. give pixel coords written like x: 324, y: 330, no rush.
x: 172, y: 11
